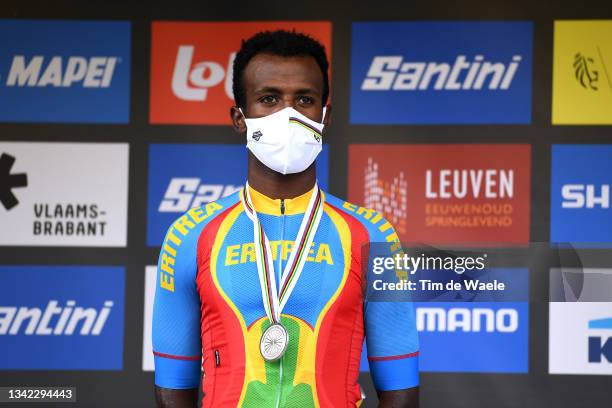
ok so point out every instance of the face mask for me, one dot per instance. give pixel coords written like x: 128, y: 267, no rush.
x: 285, y: 141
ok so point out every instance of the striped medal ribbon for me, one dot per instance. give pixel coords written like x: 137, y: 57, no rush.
x: 275, y: 338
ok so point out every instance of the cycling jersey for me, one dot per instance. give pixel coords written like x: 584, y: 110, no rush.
x: 208, y: 308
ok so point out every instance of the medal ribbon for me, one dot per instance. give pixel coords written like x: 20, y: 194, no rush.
x: 274, y: 301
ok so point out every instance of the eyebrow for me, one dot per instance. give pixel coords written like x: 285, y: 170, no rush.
x: 273, y: 90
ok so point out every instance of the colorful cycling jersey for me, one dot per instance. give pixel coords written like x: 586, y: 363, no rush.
x: 208, y: 308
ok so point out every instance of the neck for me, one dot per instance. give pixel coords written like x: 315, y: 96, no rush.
x: 276, y: 185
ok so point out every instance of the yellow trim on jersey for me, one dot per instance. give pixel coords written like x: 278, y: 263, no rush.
x: 266, y: 205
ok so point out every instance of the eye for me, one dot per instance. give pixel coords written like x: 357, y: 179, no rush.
x: 268, y: 99
x: 305, y: 100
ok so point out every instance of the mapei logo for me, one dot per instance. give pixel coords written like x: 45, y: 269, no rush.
x: 9, y: 181
x: 441, y: 72
x: 52, y: 317
x: 582, y: 81
x: 94, y: 72
x: 67, y: 71
x: 600, y: 345
x: 192, y: 66
x: 467, y: 336
x: 580, y: 195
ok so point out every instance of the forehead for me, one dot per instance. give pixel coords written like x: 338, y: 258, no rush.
x: 266, y: 70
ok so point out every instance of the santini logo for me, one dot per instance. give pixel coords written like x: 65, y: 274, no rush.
x: 93, y: 72
x: 390, y: 72
x: 476, y: 319
x: 35, y: 321
x: 185, y: 193
x: 600, y: 346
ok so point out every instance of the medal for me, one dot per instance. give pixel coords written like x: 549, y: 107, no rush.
x: 275, y: 339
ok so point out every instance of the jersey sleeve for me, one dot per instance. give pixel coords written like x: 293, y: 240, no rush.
x: 390, y: 328
x: 176, y: 312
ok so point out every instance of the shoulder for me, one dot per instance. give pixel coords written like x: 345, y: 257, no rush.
x: 179, y: 247
x: 190, y: 224
x: 377, y: 227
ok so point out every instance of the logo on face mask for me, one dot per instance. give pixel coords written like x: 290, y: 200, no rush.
x: 257, y: 135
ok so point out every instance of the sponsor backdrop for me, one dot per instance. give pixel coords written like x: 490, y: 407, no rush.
x: 482, y: 126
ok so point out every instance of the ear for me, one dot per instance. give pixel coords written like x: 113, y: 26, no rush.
x: 238, y: 122
x: 327, y: 118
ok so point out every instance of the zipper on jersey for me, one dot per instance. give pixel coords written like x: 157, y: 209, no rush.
x: 280, y: 264
x: 279, y: 255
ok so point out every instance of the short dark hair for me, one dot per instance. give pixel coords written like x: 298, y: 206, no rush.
x: 282, y: 43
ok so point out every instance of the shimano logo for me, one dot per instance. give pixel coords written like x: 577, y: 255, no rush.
x: 257, y: 135
x: 393, y: 73
x: 473, y: 320
x: 54, y: 319
x: 585, y: 196
x: 191, y: 83
x: 185, y: 193
x: 93, y: 72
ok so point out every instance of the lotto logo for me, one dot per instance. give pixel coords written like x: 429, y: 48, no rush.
x: 189, y: 81
x: 192, y: 67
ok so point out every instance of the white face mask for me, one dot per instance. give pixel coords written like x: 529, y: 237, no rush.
x: 285, y: 141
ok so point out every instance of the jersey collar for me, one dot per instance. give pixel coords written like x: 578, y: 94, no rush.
x: 266, y: 205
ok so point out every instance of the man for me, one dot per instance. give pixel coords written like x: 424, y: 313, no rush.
x: 265, y: 286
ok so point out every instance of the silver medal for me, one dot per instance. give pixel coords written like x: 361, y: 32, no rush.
x: 274, y: 341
